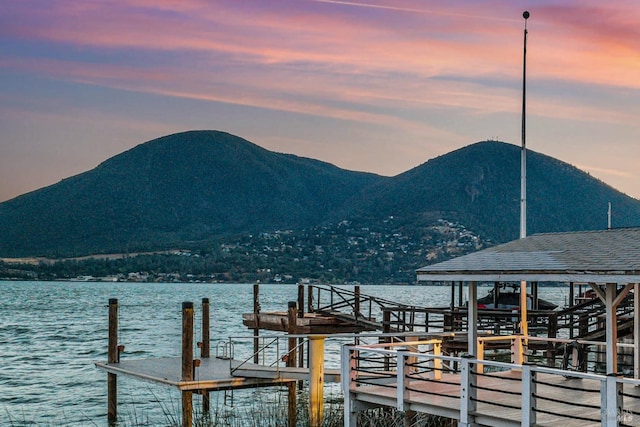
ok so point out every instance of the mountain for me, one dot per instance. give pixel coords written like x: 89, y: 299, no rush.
x: 479, y: 186
x: 199, y: 186
x: 181, y: 188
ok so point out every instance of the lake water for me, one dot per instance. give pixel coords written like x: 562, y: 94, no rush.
x: 51, y: 333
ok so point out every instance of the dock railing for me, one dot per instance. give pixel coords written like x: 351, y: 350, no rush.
x: 273, y: 350
x: 456, y: 388
x: 561, y: 353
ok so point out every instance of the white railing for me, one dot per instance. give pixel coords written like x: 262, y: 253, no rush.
x: 571, y: 354
x: 424, y: 378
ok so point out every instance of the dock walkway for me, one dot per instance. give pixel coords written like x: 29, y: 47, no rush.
x: 212, y: 374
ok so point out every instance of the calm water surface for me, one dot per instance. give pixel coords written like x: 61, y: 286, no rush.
x: 51, y: 333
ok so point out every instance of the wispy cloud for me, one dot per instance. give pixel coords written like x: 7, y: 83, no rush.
x: 428, y: 70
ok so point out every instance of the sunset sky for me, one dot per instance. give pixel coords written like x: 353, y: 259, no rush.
x: 370, y: 85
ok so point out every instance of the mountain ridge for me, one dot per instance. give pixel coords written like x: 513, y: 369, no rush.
x: 199, y: 186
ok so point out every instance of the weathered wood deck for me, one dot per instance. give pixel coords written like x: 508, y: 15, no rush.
x: 212, y: 374
x: 560, y: 401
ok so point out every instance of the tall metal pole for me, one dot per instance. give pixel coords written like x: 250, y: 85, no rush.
x: 523, y: 184
x: 524, y: 329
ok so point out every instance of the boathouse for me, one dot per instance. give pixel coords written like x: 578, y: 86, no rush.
x: 478, y: 392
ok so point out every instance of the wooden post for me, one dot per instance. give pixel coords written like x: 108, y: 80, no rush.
x: 205, y: 350
x: 187, y: 362
x: 291, y: 362
x: 552, y: 332
x: 453, y: 295
x: 310, y: 299
x: 256, y: 317
x: 386, y: 328
x: 112, y: 357
x: 572, y: 301
x: 356, y: 303
x: 316, y: 380
x: 300, y: 316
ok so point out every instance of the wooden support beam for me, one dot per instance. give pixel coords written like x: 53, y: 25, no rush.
x: 113, y: 356
x: 291, y: 362
x: 256, y: 316
x: 187, y: 362
x: 316, y: 380
x: 205, y: 350
x: 472, y: 320
x: 611, y: 329
x: 636, y: 331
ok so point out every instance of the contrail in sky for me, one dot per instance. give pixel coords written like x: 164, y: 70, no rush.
x: 408, y: 9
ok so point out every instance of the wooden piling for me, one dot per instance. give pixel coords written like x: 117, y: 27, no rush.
x: 310, y: 299
x: 316, y: 380
x: 356, y: 302
x: 291, y: 362
x: 256, y: 316
x: 113, y: 356
x: 187, y: 362
x: 300, y: 340
x: 205, y: 350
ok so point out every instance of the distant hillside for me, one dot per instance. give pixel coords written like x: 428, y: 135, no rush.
x: 181, y: 188
x: 199, y: 186
x: 479, y: 186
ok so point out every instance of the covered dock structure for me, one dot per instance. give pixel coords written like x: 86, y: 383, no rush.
x: 608, y: 261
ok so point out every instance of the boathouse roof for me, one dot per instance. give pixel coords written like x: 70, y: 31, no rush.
x: 606, y: 256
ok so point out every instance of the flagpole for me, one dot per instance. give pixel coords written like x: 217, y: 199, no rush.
x: 524, y: 329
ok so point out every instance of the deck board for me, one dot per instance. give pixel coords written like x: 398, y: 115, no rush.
x: 440, y: 398
x: 212, y: 374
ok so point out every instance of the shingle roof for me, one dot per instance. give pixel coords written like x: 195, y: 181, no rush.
x: 589, y: 256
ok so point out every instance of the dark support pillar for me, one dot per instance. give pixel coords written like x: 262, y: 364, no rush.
x: 460, y: 302
x: 552, y: 332
x: 187, y: 362
x: 300, y: 340
x: 309, y: 298
x: 386, y: 328
x: 205, y: 350
x: 256, y: 317
x: 453, y: 296
x: 572, y: 301
x: 291, y: 362
x: 356, y: 302
x: 113, y: 356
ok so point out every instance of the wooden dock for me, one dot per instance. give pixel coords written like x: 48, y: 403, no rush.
x: 499, y: 399
x: 415, y: 378
x: 201, y: 375
x: 212, y: 374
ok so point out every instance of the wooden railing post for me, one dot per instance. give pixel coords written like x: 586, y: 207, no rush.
x: 292, y: 318
x: 316, y: 380
x: 356, y: 302
x: 256, y: 317
x: 300, y: 339
x: 402, y: 370
x: 112, y: 357
x: 205, y: 350
x: 480, y: 357
x: 529, y: 393
x: 187, y: 362
x: 468, y: 393
x: 348, y: 375
x: 552, y: 332
x: 611, y: 400
x: 310, y: 299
